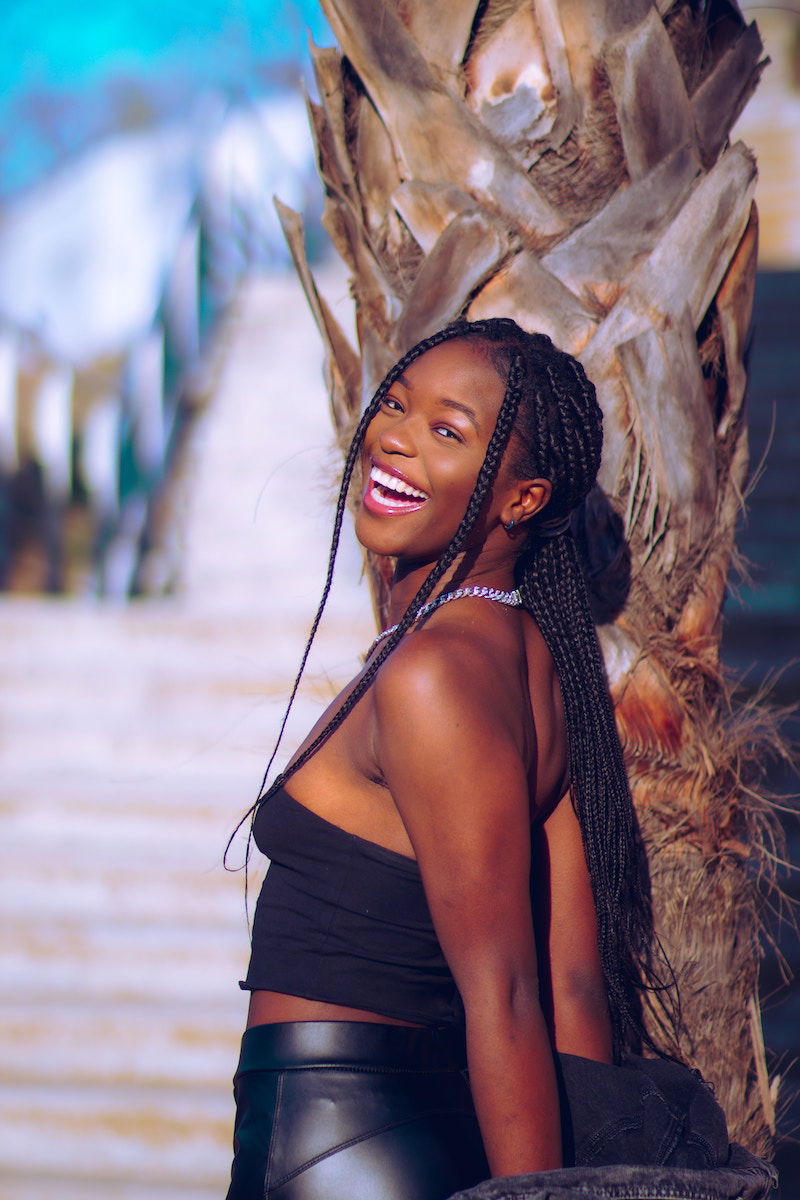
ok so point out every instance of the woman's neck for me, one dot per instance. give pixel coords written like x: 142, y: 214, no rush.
x: 486, y: 571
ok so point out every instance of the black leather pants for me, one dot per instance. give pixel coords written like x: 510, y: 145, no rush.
x: 344, y: 1110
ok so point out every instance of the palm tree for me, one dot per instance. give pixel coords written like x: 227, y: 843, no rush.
x: 567, y: 163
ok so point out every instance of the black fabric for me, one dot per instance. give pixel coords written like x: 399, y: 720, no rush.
x: 346, y: 921
x: 343, y: 1110
x: 652, y: 1111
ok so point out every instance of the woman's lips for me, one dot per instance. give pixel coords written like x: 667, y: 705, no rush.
x: 389, y: 494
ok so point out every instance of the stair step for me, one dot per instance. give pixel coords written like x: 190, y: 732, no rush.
x: 127, y: 1042
x: 113, y: 1132
x: 110, y: 958
x: 31, y: 1184
x: 154, y: 893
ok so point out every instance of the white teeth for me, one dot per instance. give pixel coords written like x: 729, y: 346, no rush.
x: 394, y: 484
x: 392, y: 502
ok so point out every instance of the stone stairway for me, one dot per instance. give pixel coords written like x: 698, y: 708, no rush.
x: 131, y: 740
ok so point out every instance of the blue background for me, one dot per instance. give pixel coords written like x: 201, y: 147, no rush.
x: 72, y: 71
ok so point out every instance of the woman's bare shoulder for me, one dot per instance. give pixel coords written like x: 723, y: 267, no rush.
x: 449, y: 752
x: 443, y: 664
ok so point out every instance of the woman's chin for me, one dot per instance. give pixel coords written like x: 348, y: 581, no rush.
x: 388, y: 537
x: 383, y: 542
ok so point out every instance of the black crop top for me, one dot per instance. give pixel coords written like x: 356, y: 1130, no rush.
x: 343, y: 920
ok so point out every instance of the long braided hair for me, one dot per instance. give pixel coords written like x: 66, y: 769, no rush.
x: 552, y: 425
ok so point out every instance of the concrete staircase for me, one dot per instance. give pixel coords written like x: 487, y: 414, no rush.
x: 131, y: 741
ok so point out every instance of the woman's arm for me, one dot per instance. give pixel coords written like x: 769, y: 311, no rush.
x: 567, y: 922
x: 460, y: 784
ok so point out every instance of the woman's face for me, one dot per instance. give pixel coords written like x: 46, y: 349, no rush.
x: 423, y: 450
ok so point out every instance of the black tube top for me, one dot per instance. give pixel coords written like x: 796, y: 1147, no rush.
x: 343, y: 920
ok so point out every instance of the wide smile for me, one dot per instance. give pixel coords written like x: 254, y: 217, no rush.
x: 387, y: 493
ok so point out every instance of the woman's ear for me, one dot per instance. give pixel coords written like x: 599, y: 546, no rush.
x: 525, y: 500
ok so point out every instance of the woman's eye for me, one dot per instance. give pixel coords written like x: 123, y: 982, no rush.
x: 447, y: 432
x: 392, y: 404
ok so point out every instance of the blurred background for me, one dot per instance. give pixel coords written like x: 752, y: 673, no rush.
x: 166, y: 475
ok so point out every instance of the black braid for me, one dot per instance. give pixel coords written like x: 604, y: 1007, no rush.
x: 558, y: 437
x: 341, y: 504
x: 491, y: 462
x: 554, y: 592
x: 552, y: 424
x: 485, y: 477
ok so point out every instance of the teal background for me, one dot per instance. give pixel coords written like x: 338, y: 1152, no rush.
x: 72, y: 71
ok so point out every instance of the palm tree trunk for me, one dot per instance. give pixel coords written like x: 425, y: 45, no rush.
x: 566, y: 163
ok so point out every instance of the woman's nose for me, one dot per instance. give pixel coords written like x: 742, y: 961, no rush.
x: 397, y: 437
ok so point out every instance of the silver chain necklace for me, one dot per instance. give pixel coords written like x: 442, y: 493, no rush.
x: 512, y: 599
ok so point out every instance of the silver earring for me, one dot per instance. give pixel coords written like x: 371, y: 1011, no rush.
x: 510, y: 525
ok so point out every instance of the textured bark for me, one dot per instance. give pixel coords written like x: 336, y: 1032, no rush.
x: 567, y: 164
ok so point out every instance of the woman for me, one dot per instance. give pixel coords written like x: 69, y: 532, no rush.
x: 455, y: 875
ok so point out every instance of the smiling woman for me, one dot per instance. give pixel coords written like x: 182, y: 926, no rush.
x: 474, y: 756
x: 424, y: 448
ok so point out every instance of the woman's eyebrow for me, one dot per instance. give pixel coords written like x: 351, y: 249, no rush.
x: 447, y: 403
